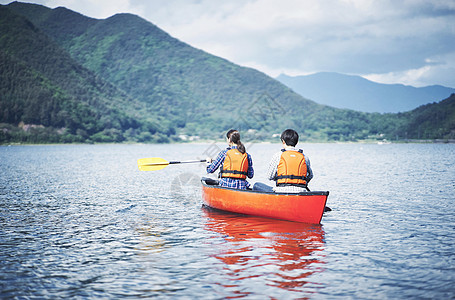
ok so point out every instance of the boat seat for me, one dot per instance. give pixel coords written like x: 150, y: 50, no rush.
x: 210, y: 181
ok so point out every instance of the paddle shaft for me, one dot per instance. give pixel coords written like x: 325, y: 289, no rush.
x: 186, y: 161
x: 165, y: 163
x: 158, y: 163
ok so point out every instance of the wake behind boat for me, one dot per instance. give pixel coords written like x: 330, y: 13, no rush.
x: 307, y: 207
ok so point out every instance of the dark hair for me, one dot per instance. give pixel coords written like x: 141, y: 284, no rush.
x: 290, y: 137
x: 234, y: 137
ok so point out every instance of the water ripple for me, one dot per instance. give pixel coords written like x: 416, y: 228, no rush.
x: 75, y: 224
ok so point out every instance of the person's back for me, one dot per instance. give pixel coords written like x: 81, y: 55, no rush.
x: 290, y: 168
x: 236, y: 164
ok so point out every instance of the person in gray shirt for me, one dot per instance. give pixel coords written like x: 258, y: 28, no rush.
x: 290, y: 168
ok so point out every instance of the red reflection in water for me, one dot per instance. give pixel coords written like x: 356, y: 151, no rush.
x: 276, y: 253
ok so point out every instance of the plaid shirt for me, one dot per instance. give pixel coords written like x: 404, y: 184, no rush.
x: 272, y: 173
x: 241, y: 184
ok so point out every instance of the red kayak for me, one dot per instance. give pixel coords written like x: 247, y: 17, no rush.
x: 306, y: 207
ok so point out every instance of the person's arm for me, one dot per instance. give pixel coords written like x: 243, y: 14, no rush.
x: 217, y: 162
x: 309, y: 171
x: 273, y: 166
x: 250, y: 172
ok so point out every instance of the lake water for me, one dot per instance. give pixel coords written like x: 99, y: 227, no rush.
x: 82, y: 221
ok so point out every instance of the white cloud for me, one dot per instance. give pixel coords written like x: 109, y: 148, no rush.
x: 408, y: 77
x: 439, y: 70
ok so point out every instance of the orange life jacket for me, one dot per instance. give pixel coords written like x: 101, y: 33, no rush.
x: 235, y: 164
x: 292, y: 168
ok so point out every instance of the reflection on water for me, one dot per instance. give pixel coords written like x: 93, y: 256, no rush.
x: 151, y: 237
x: 279, y: 254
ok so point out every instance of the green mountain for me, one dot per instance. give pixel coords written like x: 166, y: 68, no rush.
x: 190, y: 87
x: 42, y: 85
x: 165, y: 88
x: 431, y: 121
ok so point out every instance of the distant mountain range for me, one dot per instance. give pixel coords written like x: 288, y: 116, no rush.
x: 68, y: 78
x: 358, y: 93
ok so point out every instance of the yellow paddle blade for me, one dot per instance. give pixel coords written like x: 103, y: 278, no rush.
x: 152, y: 164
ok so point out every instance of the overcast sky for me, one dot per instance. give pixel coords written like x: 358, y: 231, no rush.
x: 407, y: 41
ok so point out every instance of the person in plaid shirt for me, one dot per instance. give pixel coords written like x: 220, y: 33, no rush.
x: 233, y: 178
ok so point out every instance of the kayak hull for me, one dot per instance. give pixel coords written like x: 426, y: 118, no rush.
x: 305, y: 207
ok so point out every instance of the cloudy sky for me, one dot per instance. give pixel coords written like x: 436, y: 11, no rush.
x: 408, y: 41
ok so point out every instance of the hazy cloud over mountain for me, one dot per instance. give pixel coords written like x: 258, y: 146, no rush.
x: 409, y: 42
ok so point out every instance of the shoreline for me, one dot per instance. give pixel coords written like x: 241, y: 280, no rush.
x: 409, y: 141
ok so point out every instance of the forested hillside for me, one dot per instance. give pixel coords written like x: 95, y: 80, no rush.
x: 57, y: 99
x: 191, y: 88
x: 431, y: 121
x: 124, y: 79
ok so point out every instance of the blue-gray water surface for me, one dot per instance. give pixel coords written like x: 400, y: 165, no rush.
x: 82, y: 221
